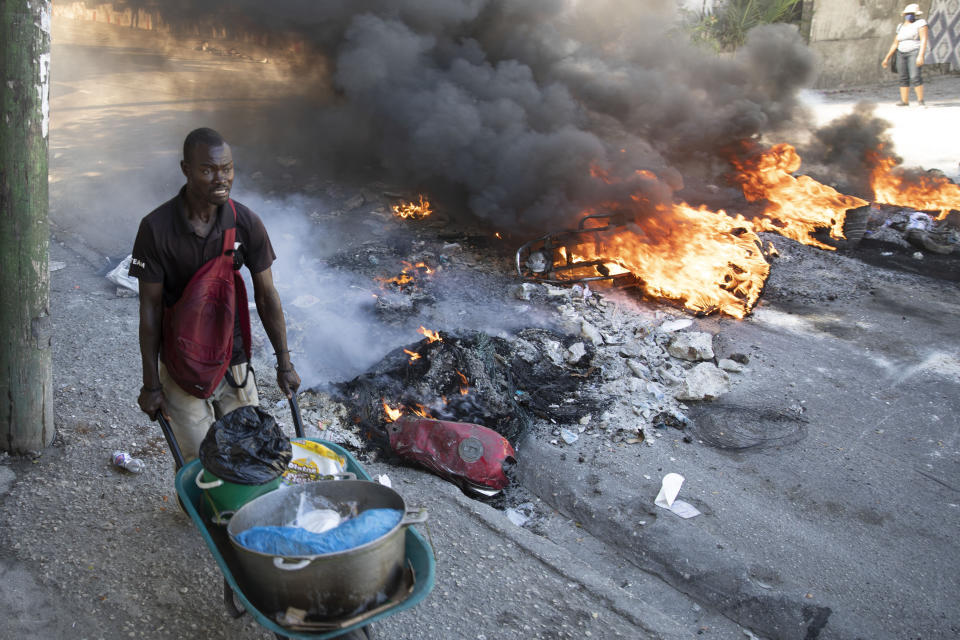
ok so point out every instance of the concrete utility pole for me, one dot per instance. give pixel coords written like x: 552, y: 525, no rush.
x: 26, y: 384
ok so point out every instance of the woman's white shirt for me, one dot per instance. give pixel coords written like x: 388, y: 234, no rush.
x: 908, y: 35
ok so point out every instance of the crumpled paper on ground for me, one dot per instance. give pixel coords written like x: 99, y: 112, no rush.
x: 667, y: 498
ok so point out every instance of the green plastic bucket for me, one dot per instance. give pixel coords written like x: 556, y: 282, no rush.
x: 224, y: 498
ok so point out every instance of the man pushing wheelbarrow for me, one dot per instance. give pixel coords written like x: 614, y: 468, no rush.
x: 194, y: 318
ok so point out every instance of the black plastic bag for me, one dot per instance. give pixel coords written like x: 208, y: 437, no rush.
x: 246, y: 446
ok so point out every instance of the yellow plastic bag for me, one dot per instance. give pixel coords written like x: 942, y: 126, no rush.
x: 311, y: 462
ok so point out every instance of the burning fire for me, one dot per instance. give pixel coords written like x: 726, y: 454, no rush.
x: 707, y: 260
x: 391, y: 413
x: 407, y: 275
x: 924, y: 192
x: 432, y: 336
x: 464, y: 383
x: 798, y: 206
x: 413, y: 210
x: 714, y: 261
x: 414, y: 356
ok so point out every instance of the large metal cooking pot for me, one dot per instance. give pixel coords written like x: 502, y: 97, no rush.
x: 330, y: 585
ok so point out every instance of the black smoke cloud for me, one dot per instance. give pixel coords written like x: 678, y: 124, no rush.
x: 531, y: 111
x: 846, y: 148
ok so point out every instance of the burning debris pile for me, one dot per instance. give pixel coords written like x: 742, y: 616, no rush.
x: 907, y: 228
x: 713, y: 261
x: 610, y: 372
x: 481, y: 379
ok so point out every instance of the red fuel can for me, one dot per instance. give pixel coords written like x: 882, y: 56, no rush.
x: 465, y: 453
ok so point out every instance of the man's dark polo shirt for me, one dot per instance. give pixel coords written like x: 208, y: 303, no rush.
x: 167, y: 250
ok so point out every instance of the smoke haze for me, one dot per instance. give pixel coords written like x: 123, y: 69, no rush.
x: 517, y: 107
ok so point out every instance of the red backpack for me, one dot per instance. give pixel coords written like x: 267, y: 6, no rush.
x: 198, y: 328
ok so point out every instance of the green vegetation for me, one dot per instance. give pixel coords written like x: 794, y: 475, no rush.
x: 725, y: 27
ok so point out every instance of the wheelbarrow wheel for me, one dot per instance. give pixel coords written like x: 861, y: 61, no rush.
x: 235, y: 608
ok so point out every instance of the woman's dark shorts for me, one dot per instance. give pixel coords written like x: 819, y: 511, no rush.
x: 910, y: 74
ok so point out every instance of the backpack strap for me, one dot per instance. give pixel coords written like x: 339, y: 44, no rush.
x: 240, y: 290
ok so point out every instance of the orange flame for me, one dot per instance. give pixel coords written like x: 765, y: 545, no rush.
x: 924, y: 192
x: 797, y: 207
x: 422, y: 411
x: 407, y: 275
x: 464, y: 383
x: 413, y: 355
x: 413, y: 210
x: 391, y: 413
x: 432, y: 336
x: 707, y: 260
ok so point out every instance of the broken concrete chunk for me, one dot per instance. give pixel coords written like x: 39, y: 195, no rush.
x: 630, y: 349
x: 691, y: 345
x: 575, y: 352
x: 675, y: 325
x: 730, y: 365
x: 524, y: 290
x: 553, y: 349
x: 639, y: 369
x: 704, y: 382
x: 591, y: 333
x: 668, y: 378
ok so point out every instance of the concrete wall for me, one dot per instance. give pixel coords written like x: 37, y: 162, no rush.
x: 852, y: 36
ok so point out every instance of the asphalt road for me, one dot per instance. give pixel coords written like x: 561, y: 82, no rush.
x: 827, y: 478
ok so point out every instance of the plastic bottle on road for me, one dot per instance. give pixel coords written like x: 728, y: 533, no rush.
x: 124, y: 460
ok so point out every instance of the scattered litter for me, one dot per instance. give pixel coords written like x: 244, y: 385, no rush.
x: 520, y: 514
x: 675, y: 419
x: 120, y: 276
x: 886, y: 254
x: 124, y: 460
x: 920, y: 220
x: 917, y: 255
x: 667, y: 498
x: 384, y: 479
x: 56, y: 265
x: 569, y: 436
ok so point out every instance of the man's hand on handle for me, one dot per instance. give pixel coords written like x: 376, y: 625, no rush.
x: 152, y: 402
x: 288, y: 380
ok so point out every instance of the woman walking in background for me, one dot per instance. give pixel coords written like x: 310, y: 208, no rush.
x: 909, y: 45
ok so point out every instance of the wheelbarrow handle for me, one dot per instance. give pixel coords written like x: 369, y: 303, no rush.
x: 171, y: 440
x: 295, y: 413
